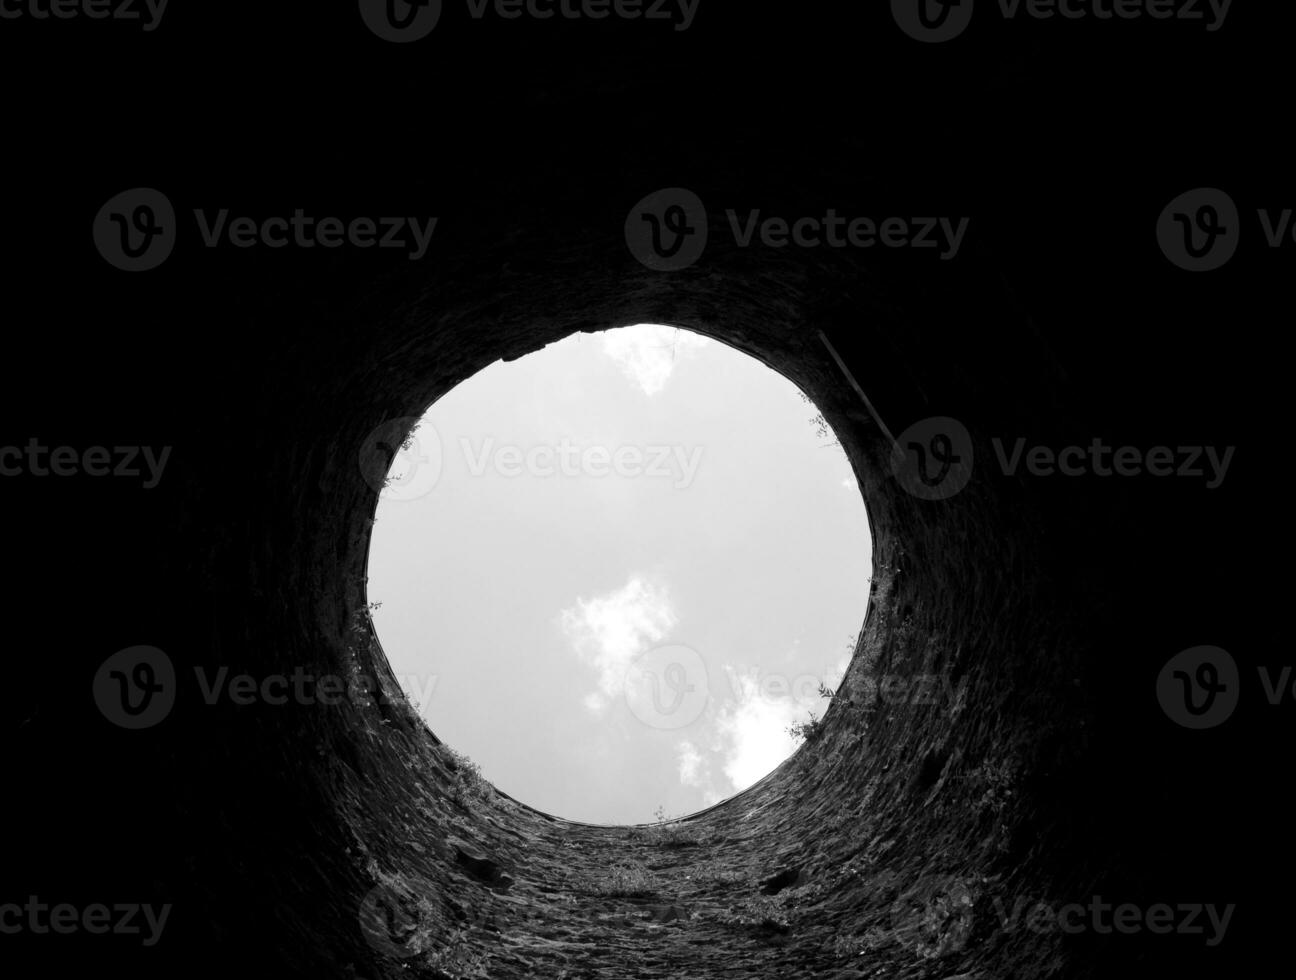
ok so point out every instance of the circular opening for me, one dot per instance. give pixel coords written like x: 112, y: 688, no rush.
x: 621, y: 573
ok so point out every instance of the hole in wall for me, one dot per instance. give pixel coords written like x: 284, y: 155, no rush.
x: 615, y: 571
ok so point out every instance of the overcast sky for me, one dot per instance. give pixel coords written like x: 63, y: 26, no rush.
x: 613, y: 571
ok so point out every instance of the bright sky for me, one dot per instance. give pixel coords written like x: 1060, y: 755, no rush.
x: 613, y: 572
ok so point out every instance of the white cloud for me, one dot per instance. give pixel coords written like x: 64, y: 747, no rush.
x: 690, y: 764
x: 753, y: 730
x: 648, y: 352
x: 695, y: 771
x: 609, y: 631
x: 747, y: 737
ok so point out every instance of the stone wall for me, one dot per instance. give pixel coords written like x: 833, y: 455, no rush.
x: 887, y: 845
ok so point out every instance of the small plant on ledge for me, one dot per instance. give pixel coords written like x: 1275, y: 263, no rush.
x: 469, y: 783
x: 808, y: 730
x: 664, y: 834
x: 626, y: 880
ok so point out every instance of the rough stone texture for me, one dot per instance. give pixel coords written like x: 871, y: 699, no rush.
x: 886, y: 804
x: 1055, y: 601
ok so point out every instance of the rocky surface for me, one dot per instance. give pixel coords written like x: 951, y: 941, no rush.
x: 887, y: 846
x: 879, y: 849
